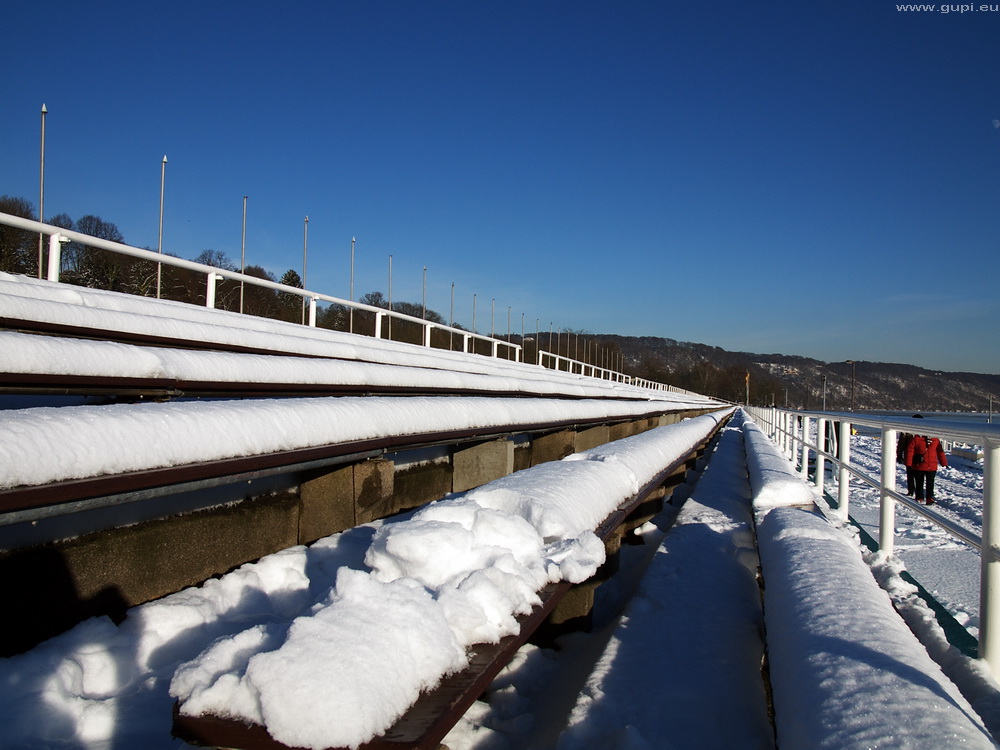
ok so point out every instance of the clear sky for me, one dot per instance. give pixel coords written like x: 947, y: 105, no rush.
x: 808, y: 178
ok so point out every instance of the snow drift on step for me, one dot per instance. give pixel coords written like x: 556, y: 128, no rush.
x: 698, y: 604
x: 846, y: 672
x: 456, y: 573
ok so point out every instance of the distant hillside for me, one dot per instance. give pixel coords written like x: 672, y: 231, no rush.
x: 798, y: 381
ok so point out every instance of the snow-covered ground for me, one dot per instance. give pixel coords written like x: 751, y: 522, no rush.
x: 945, y: 566
x: 666, y: 674
x: 654, y: 668
x: 320, y: 643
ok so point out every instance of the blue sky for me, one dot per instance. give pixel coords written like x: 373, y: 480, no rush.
x: 817, y: 178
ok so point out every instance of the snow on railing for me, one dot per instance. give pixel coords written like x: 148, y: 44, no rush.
x: 59, y: 236
x: 792, y: 432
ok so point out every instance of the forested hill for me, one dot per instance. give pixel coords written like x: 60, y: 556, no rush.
x: 799, y: 381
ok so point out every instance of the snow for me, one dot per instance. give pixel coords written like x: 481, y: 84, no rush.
x: 327, y: 644
x: 680, y: 669
x: 846, y: 670
x: 349, y: 358
x: 771, y: 476
x: 697, y: 604
x: 110, y: 439
x: 945, y: 566
x: 453, y: 575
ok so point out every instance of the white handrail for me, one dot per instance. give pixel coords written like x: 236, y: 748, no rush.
x: 780, y: 426
x: 58, y: 236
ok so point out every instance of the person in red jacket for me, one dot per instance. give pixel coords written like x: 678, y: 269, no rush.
x: 923, y: 455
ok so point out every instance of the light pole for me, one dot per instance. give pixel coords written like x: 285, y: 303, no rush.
x: 473, y: 313
x: 824, y: 393
x: 243, y: 251
x: 451, y: 318
x: 423, y: 297
x: 351, y: 324
x: 389, y: 322
x: 41, y: 194
x: 159, y: 240
x: 305, y: 244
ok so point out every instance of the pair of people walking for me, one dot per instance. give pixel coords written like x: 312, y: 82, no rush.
x: 922, y: 455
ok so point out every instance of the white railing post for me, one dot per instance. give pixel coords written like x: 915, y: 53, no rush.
x: 820, y: 457
x: 378, y: 324
x: 804, y: 470
x: 312, y: 312
x: 844, y: 475
x: 989, y: 587
x: 887, y: 507
x: 496, y: 345
x: 427, y: 334
x: 55, y: 255
x: 789, y: 434
x: 210, y: 290
x: 465, y: 343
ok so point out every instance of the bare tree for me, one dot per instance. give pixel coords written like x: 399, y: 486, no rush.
x: 18, y: 247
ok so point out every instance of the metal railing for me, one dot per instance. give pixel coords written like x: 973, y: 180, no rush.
x: 792, y: 432
x: 59, y: 236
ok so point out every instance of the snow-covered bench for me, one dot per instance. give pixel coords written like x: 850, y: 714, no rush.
x: 480, y: 568
x: 845, y: 670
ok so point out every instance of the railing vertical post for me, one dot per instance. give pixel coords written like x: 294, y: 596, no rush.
x: 312, y: 312
x: 210, y: 290
x: 844, y: 476
x: 427, y: 334
x: 496, y: 344
x: 989, y: 587
x: 820, y: 457
x: 789, y: 434
x: 378, y: 324
x: 804, y: 469
x: 465, y: 343
x: 55, y: 255
x: 887, y: 506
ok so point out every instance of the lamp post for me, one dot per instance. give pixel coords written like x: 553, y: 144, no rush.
x: 41, y: 194
x: 389, y: 322
x: 243, y: 251
x: 159, y: 240
x: 451, y: 318
x: 423, y: 297
x: 305, y: 244
x: 350, y: 327
x: 473, y: 313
